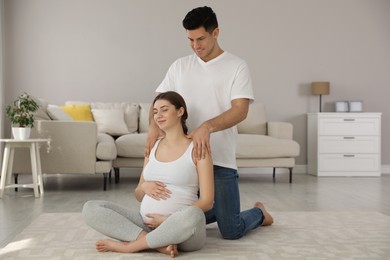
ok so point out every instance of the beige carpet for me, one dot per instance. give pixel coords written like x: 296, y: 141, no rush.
x: 295, y: 235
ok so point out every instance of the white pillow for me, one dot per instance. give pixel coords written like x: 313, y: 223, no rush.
x: 110, y: 121
x: 56, y: 113
x: 130, y: 109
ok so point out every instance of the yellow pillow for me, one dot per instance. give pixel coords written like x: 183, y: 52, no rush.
x: 81, y: 112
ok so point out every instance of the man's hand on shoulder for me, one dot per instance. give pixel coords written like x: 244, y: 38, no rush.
x: 201, y: 140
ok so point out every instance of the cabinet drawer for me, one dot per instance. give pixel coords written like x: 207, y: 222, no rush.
x: 348, y: 144
x: 348, y: 162
x: 349, y: 126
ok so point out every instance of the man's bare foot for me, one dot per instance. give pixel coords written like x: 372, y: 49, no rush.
x: 113, y: 246
x: 170, y: 250
x: 268, y: 220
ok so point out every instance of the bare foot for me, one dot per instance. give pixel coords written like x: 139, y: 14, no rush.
x: 114, y: 246
x: 170, y: 250
x: 268, y: 220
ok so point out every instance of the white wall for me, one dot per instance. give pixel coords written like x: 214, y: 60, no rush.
x: 2, y: 92
x: 104, y: 50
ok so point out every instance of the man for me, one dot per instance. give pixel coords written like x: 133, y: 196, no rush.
x: 217, y: 88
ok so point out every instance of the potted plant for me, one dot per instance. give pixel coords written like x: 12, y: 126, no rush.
x: 21, y: 114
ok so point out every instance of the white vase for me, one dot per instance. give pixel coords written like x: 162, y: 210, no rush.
x: 21, y: 133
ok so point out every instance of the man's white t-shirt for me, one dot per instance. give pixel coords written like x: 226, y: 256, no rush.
x: 208, y: 89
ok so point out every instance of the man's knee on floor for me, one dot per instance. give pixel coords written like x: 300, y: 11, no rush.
x: 231, y: 234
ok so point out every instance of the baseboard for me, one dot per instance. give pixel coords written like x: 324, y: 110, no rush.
x: 385, y: 169
x: 298, y: 169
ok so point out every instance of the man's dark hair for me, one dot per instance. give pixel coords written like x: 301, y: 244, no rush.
x: 201, y: 16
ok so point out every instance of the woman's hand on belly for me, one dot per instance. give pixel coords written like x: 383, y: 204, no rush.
x: 155, y: 220
x: 156, y: 189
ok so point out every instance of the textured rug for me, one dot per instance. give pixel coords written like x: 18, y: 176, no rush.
x: 294, y: 235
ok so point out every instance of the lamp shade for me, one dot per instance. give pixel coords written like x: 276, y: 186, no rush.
x: 320, y: 88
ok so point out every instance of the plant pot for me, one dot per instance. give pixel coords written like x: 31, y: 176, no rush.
x: 21, y: 133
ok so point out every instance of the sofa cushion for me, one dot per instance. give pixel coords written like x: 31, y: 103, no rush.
x: 79, y: 112
x: 56, y: 113
x: 261, y: 146
x: 144, y: 117
x: 41, y: 113
x: 255, y: 122
x: 131, y: 145
x: 105, y: 149
x: 130, y: 112
x: 110, y: 121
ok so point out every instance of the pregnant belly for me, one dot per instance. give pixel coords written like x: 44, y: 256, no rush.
x: 166, y: 207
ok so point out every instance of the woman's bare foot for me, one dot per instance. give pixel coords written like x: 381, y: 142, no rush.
x: 127, y: 247
x: 170, y: 250
x: 268, y: 220
x: 113, y: 246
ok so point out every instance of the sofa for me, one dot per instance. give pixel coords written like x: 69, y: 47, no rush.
x: 96, y: 137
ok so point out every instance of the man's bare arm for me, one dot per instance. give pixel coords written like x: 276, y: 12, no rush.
x: 229, y: 118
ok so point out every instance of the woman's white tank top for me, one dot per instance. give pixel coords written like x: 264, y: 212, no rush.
x: 181, y: 179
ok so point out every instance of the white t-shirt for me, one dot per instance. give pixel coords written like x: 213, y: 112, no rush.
x: 208, y: 89
x: 181, y: 178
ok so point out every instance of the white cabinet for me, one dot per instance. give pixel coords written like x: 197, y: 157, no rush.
x: 344, y: 144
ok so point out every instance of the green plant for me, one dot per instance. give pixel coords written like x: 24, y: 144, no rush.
x: 21, y: 111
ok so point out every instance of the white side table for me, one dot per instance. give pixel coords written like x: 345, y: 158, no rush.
x: 8, y: 159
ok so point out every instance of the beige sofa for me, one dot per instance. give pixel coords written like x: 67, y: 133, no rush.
x: 78, y: 147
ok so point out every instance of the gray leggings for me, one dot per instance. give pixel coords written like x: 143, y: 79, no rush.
x: 185, y: 228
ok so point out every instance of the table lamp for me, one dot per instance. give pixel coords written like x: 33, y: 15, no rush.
x: 320, y: 88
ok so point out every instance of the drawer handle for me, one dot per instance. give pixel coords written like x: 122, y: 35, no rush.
x: 349, y: 119
x: 349, y: 137
x: 349, y: 155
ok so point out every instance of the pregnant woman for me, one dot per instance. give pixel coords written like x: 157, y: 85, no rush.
x: 171, y: 217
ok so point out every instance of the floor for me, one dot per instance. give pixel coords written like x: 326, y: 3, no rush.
x: 68, y: 193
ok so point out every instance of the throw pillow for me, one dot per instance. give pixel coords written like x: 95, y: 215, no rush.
x: 81, y: 112
x: 255, y: 122
x: 110, y: 121
x: 130, y: 109
x: 56, y: 113
x: 41, y: 113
